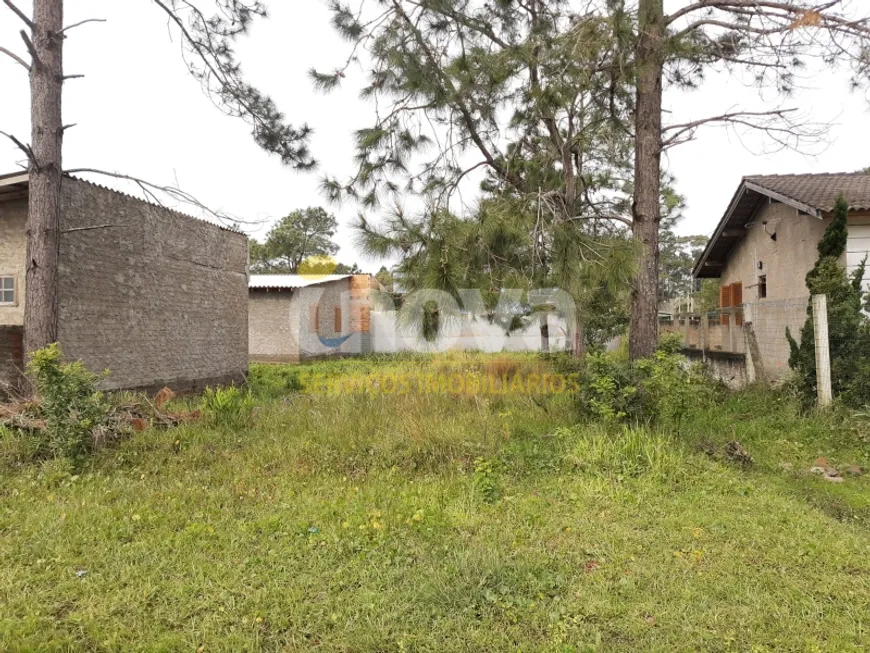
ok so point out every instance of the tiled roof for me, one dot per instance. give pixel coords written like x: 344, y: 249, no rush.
x: 819, y: 191
x: 813, y: 194
x: 262, y: 281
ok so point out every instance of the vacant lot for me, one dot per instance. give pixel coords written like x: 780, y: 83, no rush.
x: 351, y: 517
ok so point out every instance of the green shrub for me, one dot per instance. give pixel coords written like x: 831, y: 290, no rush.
x: 229, y: 407
x: 661, y: 389
x: 486, y: 480
x: 274, y: 380
x: 672, y: 387
x: 73, y: 409
x: 608, y: 390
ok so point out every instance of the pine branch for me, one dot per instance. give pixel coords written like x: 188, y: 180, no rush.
x: 82, y: 22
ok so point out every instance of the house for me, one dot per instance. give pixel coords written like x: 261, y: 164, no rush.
x: 761, y: 251
x: 293, y: 317
x: 766, y: 241
x: 154, y: 296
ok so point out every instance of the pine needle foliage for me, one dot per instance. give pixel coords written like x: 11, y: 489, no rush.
x: 208, y: 46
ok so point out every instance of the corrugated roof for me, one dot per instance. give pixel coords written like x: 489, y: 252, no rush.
x: 813, y: 194
x: 263, y: 281
x: 14, y: 186
x: 820, y: 191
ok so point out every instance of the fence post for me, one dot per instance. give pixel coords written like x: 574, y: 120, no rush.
x: 705, y: 335
x: 823, y: 352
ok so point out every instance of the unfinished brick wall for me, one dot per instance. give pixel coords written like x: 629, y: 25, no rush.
x: 156, y: 297
x: 11, y: 357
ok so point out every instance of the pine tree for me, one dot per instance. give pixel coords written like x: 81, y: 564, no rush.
x: 208, y: 46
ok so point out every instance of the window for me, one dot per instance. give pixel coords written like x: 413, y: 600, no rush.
x: 337, y: 319
x: 762, y: 286
x: 314, y: 313
x: 7, y: 291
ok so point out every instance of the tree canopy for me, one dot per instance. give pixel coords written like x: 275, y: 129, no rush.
x: 301, y: 235
x: 520, y: 95
x: 552, y: 101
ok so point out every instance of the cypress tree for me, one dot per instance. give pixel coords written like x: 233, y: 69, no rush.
x: 847, y: 325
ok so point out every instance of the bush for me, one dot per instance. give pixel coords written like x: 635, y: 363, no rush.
x: 228, y: 407
x: 662, y: 388
x: 73, y: 409
x: 609, y: 389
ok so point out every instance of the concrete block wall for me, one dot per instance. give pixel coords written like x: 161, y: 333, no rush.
x: 156, y: 297
x: 273, y: 326
x: 13, y: 250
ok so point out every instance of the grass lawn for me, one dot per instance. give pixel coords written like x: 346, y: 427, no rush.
x: 419, y: 521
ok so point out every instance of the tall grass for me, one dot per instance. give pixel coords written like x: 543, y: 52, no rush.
x: 628, y: 452
x: 366, y: 521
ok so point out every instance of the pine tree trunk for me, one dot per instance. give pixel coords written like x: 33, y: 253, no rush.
x: 578, y: 346
x: 43, y: 219
x: 646, y: 209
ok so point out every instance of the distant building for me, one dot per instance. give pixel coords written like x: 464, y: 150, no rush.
x: 154, y: 296
x: 295, y: 317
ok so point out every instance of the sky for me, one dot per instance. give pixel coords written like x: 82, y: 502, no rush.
x: 137, y: 111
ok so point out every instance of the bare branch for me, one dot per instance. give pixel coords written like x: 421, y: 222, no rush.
x: 66, y: 77
x: 16, y: 58
x: 778, y: 124
x: 748, y: 4
x: 617, y: 218
x: 21, y: 146
x: 725, y: 117
x: 20, y: 14
x: 30, y: 48
x: 91, y: 228
x: 153, y: 193
x: 82, y: 22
